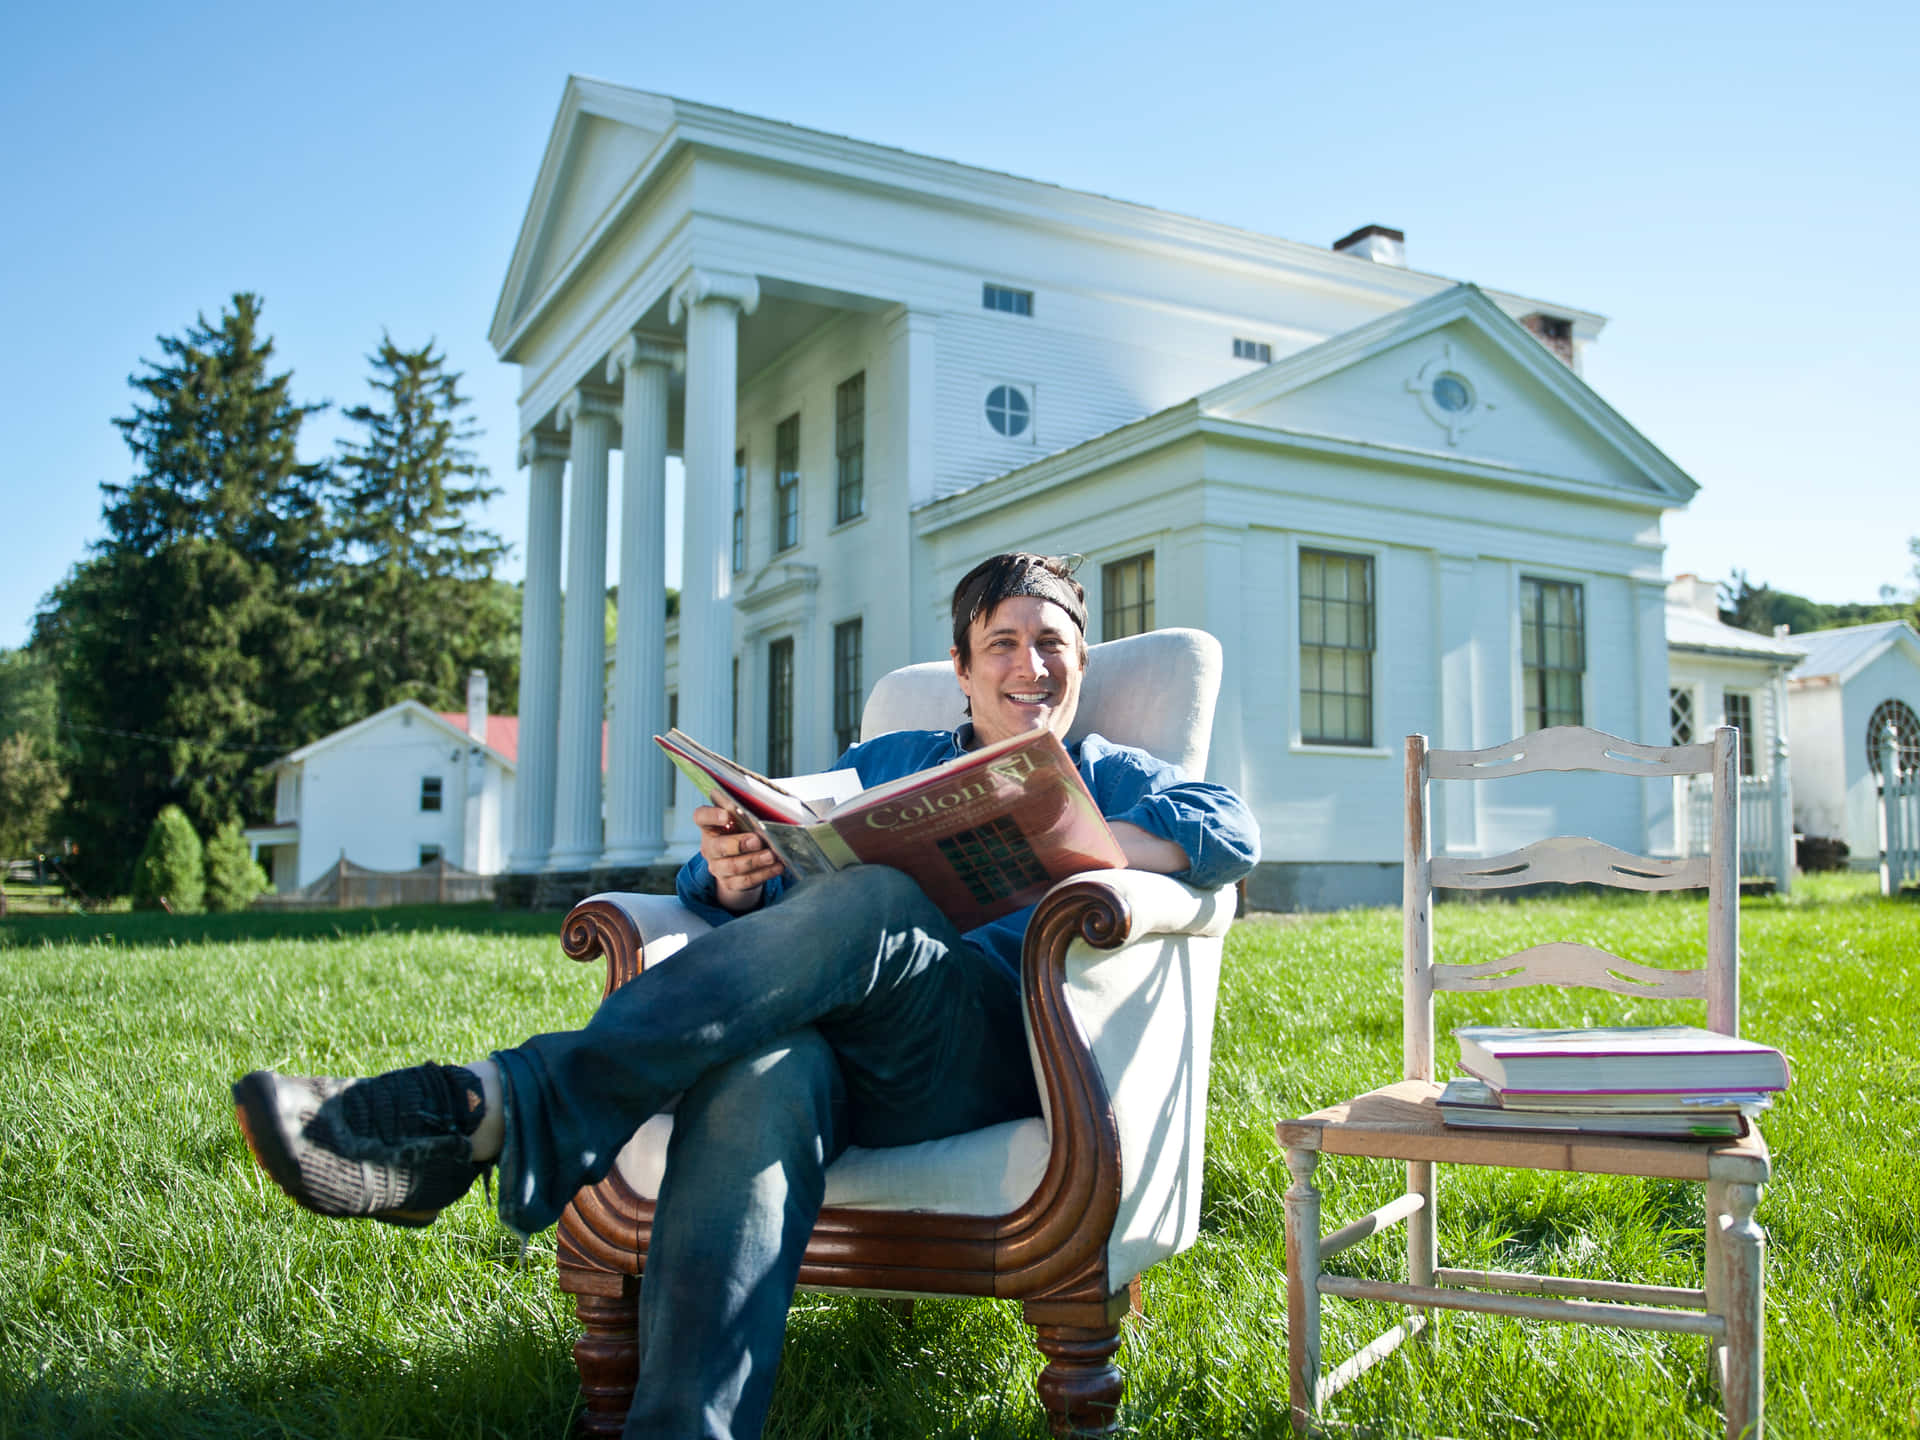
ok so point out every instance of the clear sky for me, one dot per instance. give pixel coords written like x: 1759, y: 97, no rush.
x: 1734, y: 185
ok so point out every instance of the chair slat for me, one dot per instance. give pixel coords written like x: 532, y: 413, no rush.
x: 1566, y: 962
x: 1570, y: 747
x: 1569, y: 860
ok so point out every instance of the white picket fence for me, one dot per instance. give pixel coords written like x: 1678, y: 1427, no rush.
x: 1763, y: 849
x: 1899, y: 819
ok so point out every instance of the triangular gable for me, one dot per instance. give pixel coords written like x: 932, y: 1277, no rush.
x: 455, y: 731
x: 1502, y: 399
x: 600, y: 140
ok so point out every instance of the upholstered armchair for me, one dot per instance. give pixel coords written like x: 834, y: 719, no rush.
x: 1062, y: 1212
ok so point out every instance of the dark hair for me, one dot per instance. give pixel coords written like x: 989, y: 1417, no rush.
x: 1049, y: 577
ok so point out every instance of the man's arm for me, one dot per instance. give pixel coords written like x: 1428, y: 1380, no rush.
x: 1146, y: 851
x: 1194, y: 829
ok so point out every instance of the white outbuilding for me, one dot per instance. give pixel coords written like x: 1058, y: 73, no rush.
x: 1853, y: 683
x: 398, y: 790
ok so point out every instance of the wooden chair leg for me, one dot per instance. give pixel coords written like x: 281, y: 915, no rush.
x: 1303, y: 1289
x: 608, y: 1358
x: 1423, y: 1237
x: 1080, y: 1386
x: 1716, y: 1278
x: 1745, y: 1259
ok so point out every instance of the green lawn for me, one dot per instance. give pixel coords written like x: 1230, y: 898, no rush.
x: 152, y: 1282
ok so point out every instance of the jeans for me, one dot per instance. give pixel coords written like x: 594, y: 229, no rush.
x: 849, y: 1013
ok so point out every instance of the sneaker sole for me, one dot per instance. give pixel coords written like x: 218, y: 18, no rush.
x: 253, y: 1108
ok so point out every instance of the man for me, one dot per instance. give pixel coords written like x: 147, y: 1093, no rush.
x: 846, y: 1010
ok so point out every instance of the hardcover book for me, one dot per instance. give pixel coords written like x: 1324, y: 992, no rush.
x: 984, y: 834
x: 1630, y: 1059
x: 1474, y: 1105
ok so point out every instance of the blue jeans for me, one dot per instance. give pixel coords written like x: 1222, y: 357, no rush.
x: 852, y: 1013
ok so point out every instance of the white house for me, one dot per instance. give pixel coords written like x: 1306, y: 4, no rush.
x: 1841, y: 697
x: 1390, y: 495
x: 1718, y: 674
x: 393, y: 792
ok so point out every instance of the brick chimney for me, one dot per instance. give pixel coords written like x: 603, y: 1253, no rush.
x: 1553, y: 331
x: 1378, y: 243
x: 477, y: 705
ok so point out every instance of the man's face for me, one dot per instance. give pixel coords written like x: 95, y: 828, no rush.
x: 1025, y: 671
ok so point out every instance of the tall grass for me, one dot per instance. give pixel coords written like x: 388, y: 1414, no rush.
x: 152, y: 1281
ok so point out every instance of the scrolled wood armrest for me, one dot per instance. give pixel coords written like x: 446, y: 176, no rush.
x: 629, y: 931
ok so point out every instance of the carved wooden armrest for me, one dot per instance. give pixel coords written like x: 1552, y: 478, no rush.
x: 628, y: 931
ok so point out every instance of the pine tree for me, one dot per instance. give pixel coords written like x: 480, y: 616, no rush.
x: 422, y: 605
x: 233, y: 879
x: 187, y: 645
x: 171, y: 866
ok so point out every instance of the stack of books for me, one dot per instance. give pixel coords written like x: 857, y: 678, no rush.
x: 1669, y: 1081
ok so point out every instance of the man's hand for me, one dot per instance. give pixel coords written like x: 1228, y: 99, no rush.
x: 739, y: 859
x: 1144, y: 850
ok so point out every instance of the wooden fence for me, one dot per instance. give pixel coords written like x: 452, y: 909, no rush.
x: 1766, y: 824
x: 1899, y: 818
x: 346, y: 885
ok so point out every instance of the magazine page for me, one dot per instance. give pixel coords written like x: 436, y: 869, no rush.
x: 707, y: 769
x: 984, y: 834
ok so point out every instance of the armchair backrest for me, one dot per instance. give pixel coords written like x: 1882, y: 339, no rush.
x: 1570, y: 859
x: 1154, y: 691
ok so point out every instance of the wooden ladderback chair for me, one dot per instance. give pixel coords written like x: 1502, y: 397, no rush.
x: 1119, y: 974
x: 1403, y: 1122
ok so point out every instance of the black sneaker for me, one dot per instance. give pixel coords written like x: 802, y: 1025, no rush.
x: 393, y: 1148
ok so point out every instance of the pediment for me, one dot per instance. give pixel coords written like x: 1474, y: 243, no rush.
x: 1457, y: 378
x: 601, y: 140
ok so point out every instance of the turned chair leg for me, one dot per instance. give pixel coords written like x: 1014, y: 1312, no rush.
x: 1744, y: 1261
x: 1303, y: 1289
x: 1080, y: 1386
x: 608, y: 1358
x: 1716, y: 1276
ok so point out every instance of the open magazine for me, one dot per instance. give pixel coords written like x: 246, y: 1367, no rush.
x: 984, y: 834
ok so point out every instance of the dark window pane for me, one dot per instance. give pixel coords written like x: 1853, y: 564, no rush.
x: 1126, y: 589
x: 780, y: 707
x: 848, y: 689
x: 786, y: 483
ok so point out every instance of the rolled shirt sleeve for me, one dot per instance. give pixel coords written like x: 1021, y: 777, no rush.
x: 1211, y: 823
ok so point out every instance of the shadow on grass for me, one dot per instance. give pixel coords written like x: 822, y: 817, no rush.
x: 513, y: 1385
x: 147, y: 927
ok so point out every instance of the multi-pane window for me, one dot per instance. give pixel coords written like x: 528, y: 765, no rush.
x: 1336, y: 648
x: 1259, y: 350
x: 1739, y: 707
x: 780, y: 706
x: 847, y: 689
x: 429, y: 854
x: 734, y: 702
x: 1680, y: 714
x: 739, y: 511
x: 1553, y: 651
x: 786, y: 484
x: 1009, y: 411
x: 1007, y: 300
x: 1906, y: 728
x: 850, y: 448
x: 1126, y: 597
x: 429, y: 792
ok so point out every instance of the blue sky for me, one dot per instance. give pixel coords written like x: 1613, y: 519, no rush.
x: 1733, y: 185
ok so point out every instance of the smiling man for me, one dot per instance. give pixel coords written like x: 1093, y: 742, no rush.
x: 845, y: 1011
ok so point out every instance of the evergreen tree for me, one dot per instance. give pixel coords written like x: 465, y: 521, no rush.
x: 421, y: 603
x: 187, y: 645
x: 171, y: 866
x: 233, y: 879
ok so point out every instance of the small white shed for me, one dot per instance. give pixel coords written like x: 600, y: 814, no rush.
x: 1853, y: 682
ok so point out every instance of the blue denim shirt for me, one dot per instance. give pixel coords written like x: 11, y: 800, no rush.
x: 1208, y: 821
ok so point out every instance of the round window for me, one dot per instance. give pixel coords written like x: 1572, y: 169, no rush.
x: 1008, y: 411
x: 1452, y: 393
x: 1898, y: 714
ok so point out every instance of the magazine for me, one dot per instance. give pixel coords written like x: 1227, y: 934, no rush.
x: 985, y: 834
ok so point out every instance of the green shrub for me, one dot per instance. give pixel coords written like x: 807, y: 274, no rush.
x: 171, y: 866
x: 233, y: 879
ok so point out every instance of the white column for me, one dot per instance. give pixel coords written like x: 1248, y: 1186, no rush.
x: 636, y: 786
x: 583, y: 644
x: 546, y: 457
x: 713, y: 303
